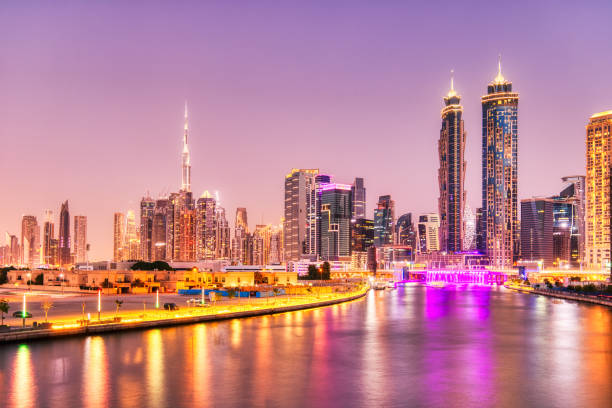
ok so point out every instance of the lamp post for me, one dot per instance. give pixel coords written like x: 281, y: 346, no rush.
x: 99, y: 302
x: 62, y: 282
x: 157, y: 299
x: 23, y: 311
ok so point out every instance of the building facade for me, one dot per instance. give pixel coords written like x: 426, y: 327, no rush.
x: 358, y: 192
x: 80, y: 238
x: 428, y: 233
x: 30, y: 238
x: 64, y: 243
x: 384, y: 220
x: 298, y: 184
x: 501, y: 232
x: 537, y: 230
x: 335, y: 221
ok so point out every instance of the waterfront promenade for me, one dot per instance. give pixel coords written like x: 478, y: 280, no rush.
x: 73, y: 323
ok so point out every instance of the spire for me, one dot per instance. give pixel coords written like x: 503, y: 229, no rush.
x: 452, y: 92
x: 186, y: 170
x: 499, y: 79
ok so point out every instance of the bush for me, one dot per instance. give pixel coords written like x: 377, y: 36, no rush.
x: 39, y: 280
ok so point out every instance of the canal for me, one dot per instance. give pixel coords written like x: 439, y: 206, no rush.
x: 415, y: 346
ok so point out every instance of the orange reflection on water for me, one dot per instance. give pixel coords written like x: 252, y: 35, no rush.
x: 23, y: 389
x: 95, y: 373
x: 155, y: 368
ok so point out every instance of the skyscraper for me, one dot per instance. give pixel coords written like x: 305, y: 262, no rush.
x: 384, y: 220
x: 186, y: 159
x: 428, y: 233
x: 80, y: 238
x: 404, y: 231
x: 158, y: 232
x: 362, y: 234
x: 48, y: 255
x: 222, y: 233
x: 579, y: 193
x: 118, y: 236
x: 298, y: 184
x: 241, y: 219
x: 537, y: 230
x: 131, y: 245
x: 147, y: 211
x: 598, y: 151
x: 205, y: 229
x: 64, y: 244
x: 313, y: 218
x: 358, y: 202
x: 499, y: 171
x: 335, y: 221
x: 30, y: 236
x: 451, y: 175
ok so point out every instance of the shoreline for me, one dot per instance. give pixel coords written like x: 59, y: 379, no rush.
x: 42, y: 334
x: 566, y: 296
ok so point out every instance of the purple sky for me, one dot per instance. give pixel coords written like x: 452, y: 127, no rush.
x: 91, y: 98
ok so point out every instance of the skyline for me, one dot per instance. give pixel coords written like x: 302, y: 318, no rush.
x: 393, y: 98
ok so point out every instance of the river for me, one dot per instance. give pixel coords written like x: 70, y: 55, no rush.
x: 411, y: 347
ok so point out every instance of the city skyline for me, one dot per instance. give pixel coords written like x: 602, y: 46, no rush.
x: 136, y: 148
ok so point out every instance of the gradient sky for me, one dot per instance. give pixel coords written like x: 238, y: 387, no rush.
x: 91, y: 98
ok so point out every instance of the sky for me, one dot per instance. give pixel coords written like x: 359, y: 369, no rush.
x: 92, y: 98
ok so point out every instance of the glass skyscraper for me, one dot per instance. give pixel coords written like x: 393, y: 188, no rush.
x: 384, y: 220
x: 335, y: 221
x: 501, y: 233
x: 451, y: 175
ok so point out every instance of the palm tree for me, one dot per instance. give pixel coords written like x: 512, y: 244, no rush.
x: 47, y: 304
x: 4, y: 308
x: 118, y: 303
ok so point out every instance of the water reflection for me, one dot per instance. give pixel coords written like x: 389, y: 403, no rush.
x: 95, y: 373
x: 155, y: 368
x: 23, y: 390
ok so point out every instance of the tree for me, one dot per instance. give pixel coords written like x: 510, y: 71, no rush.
x: 4, y: 308
x: 39, y: 279
x: 46, y: 306
x: 231, y: 292
x: 118, y: 303
x: 313, y: 272
x: 151, y: 266
x: 326, y: 271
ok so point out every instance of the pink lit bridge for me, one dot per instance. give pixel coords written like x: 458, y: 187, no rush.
x: 468, y: 276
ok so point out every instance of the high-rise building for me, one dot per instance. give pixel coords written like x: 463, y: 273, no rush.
x: 358, y: 202
x: 499, y: 171
x: 404, y: 231
x: 298, y: 184
x: 30, y: 236
x: 222, y: 233
x: 158, y: 231
x: 598, y: 152
x: 147, y: 211
x: 428, y: 233
x: 480, y: 227
x: 241, y: 219
x: 537, y: 230
x: 335, y: 221
x: 132, y: 243
x: 578, y: 184
x: 469, y: 228
x: 313, y: 217
x: 48, y: 255
x: 451, y: 175
x: 14, y: 251
x: 118, y: 236
x: 64, y: 244
x: 80, y: 238
x: 362, y: 234
x: 205, y: 227
x: 384, y: 220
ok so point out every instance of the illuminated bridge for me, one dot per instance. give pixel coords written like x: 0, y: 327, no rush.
x: 462, y: 276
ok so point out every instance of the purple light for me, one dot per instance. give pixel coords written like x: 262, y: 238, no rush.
x: 335, y: 186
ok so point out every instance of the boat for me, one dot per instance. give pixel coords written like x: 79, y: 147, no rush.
x: 391, y: 284
x: 436, y: 284
x: 380, y: 286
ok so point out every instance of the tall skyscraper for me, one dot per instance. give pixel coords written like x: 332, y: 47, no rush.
x: 64, y: 236
x: 241, y: 219
x: 132, y: 243
x: 499, y: 171
x: 358, y: 202
x: 147, y: 211
x: 222, y: 233
x: 384, y: 220
x: 428, y: 233
x: 469, y: 227
x: 298, y: 184
x: 48, y: 255
x: 186, y: 159
x: 579, y: 193
x: 118, y: 236
x: 158, y: 232
x: 362, y: 234
x: 451, y: 175
x: 313, y: 218
x: 205, y: 229
x: 404, y: 231
x: 80, y: 238
x: 598, y: 151
x: 537, y: 230
x: 335, y: 221
x: 30, y: 236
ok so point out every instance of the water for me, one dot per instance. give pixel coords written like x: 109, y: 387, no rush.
x: 417, y: 346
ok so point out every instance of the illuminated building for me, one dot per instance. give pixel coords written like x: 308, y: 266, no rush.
x: 598, y: 149
x: 80, y: 238
x: 469, y: 235
x: 30, y: 236
x: 404, y: 231
x: 384, y: 220
x: 362, y: 234
x: 14, y: 251
x: 118, y: 236
x: 358, y: 199
x: 222, y: 233
x: 335, y: 221
x: 131, y: 244
x: 578, y: 193
x: 537, y: 230
x: 147, y: 211
x: 158, y: 231
x: 499, y: 172
x: 428, y: 230
x: 240, y: 242
x: 267, y: 240
x: 205, y: 227
x: 186, y: 159
x: 298, y: 184
x: 480, y: 227
x: 64, y: 236
x: 241, y: 219
x: 313, y: 220
x: 451, y: 175
x: 48, y: 257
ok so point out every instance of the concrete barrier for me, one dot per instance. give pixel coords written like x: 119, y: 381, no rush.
x: 27, y: 335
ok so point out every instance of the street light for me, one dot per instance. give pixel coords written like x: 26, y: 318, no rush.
x: 23, y: 310
x: 29, y: 282
x: 62, y: 282
x: 99, y: 302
